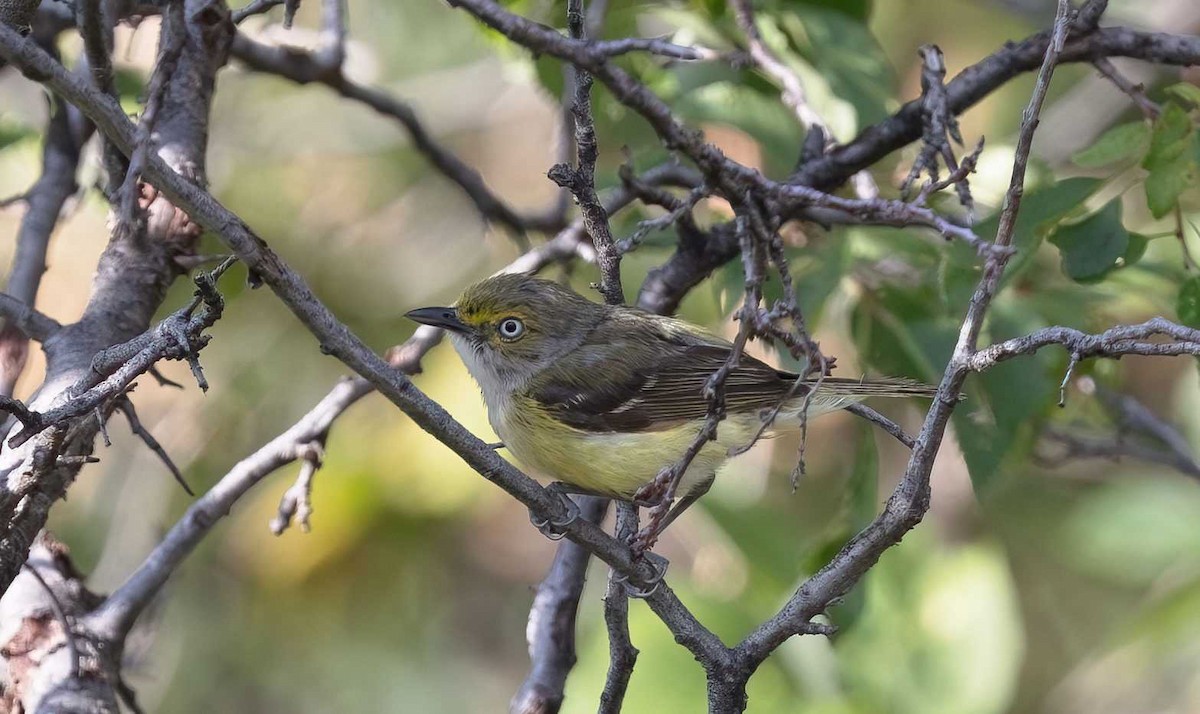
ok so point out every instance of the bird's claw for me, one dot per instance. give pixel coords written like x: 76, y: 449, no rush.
x: 551, y: 528
x: 659, y: 564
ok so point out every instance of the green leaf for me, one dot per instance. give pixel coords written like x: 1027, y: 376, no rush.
x: 1042, y: 210
x: 1132, y: 531
x: 1187, y: 305
x: 998, y: 417
x: 11, y: 132
x: 845, y: 55
x: 1186, y: 91
x: 898, y: 332
x: 862, y: 493
x: 1137, y: 248
x: 1170, y: 160
x: 1091, y: 247
x: 863, y: 487
x: 1120, y: 142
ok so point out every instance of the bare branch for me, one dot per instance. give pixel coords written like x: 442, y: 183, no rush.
x: 656, y: 46
x: 1076, y: 444
x: 30, y: 322
x: 941, y: 128
x: 621, y: 652
x: 551, y: 629
x: 95, y: 22
x: 332, y: 50
x: 581, y: 180
x: 1112, y: 343
x: 793, y: 93
x: 910, y: 500
x: 179, y: 336
x: 44, y: 201
x: 130, y: 215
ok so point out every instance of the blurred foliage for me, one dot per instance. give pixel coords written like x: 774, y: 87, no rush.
x: 1026, y: 589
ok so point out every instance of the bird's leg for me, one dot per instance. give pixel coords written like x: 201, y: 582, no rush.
x: 553, y: 529
x: 663, y: 515
x: 652, y: 494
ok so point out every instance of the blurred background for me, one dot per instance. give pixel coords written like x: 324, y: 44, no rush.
x: 1036, y: 583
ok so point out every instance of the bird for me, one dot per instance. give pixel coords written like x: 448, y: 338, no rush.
x: 602, y: 398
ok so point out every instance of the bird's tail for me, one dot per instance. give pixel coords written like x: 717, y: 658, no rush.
x: 857, y: 389
x: 834, y: 393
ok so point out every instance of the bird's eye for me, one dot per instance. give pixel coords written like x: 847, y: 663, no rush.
x: 510, y: 328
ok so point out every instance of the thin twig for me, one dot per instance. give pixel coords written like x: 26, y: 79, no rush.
x: 179, y: 336
x: 1136, y: 92
x: 622, y: 655
x: 135, y: 425
x: 891, y: 427
x: 581, y: 180
x: 793, y: 93
x: 131, y: 215
x: 255, y: 7
x: 96, y: 27
x: 910, y: 500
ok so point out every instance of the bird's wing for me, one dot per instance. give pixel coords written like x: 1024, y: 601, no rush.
x: 653, y: 381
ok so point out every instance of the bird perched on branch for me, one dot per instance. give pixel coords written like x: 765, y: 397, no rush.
x: 606, y: 398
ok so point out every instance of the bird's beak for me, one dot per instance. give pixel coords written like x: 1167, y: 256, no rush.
x: 443, y: 317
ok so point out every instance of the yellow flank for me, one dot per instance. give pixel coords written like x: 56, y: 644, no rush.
x: 612, y: 464
x: 618, y: 464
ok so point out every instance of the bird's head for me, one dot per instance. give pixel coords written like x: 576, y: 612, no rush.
x: 509, y: 327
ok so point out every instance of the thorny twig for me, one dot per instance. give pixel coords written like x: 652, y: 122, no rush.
x: 940, y: 129
x: 909, y: 501
x: 179, y: 336
x: 581, y: 179
x: 125, y: 404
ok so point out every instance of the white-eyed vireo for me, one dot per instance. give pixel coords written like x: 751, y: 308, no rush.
x: 603, y: 398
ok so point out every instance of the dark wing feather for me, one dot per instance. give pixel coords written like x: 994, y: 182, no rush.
x: 652, y: 381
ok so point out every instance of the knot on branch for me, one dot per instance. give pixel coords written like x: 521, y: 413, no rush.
x: 565, y: 176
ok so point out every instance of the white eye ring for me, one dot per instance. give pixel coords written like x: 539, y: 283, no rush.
x: 510, y: 328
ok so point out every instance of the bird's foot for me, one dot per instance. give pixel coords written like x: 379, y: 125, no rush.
x: 652, y: 494
x: 658, y: 563
x: 553, y: 529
